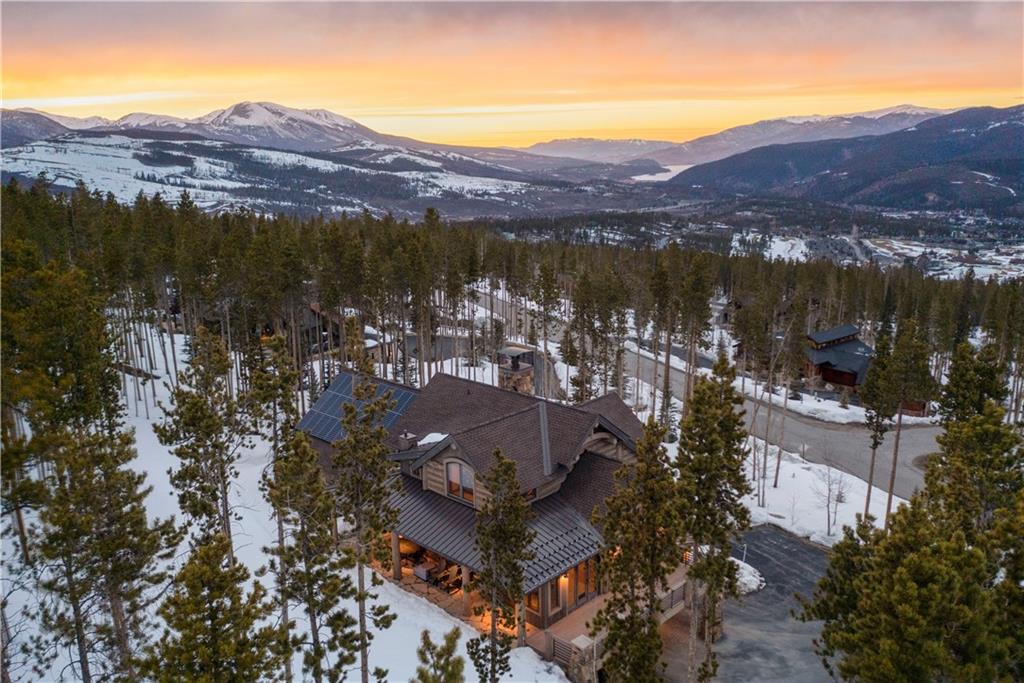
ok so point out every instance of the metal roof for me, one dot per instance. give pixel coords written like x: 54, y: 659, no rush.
x: 323, y: 421
x: 832, y: 334
x: 564, y: 537
x: 853, y: 356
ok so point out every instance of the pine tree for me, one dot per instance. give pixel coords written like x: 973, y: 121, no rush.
x: 710, y: 461
x: 978, y: 471
x: 1007, y: 538
x: 214, y: 631
x: 879, y: 407
x: 546, y: 294
x: 908, y: 379
x: 103, y: 558
x: 503, y: 539
x: 438, y: 661
x: 365, y: 484
x: 272, y: 408
x: 207, y: 430
x: 836, y: 595
x: 973, y: 380
x: 643, y: 529
x: 311, y: 570
x: 917, y: 608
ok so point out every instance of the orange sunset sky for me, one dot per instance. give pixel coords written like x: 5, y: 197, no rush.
x: 514, y: 74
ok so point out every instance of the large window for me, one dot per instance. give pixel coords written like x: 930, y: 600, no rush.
x: 556, y: 594
x: 460, y: 481
x: 533, y: 602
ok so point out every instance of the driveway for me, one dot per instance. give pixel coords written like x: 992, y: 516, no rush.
x: 762, y: 641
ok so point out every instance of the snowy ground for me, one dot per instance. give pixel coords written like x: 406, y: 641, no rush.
x: 772, y: 247
x: 798, y: 504
x: 393, y: 649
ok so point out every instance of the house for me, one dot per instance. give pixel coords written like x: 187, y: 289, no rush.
x: 443, y: 438
x: 838, y: 357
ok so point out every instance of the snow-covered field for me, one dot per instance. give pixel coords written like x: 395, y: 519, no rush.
x: 771, y: 246
x: 798, y: 504
x: 1002, y: 262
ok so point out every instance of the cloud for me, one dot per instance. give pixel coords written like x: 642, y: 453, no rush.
x: 95, y: 100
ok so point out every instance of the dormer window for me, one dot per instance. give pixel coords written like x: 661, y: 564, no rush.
x: 460, y: 481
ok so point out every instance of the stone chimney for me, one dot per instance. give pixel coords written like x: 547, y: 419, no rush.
x: 407, y: 441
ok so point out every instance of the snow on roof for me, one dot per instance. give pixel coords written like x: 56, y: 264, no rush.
x: 432, y: 437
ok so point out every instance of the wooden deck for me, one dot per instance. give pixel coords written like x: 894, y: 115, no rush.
x: 555, y: 642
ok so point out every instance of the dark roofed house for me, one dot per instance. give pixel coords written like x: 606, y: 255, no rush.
x: 838, y: 357
x: 443, y: 438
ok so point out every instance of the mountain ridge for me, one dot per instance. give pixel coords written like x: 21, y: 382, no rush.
x: 972, y: 158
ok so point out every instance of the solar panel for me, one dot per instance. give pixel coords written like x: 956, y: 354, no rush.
x: 323, y: 421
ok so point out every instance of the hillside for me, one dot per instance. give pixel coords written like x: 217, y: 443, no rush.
x: 973, y: 158
x: 19, y: 127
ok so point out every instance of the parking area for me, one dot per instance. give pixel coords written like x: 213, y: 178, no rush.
x: 763, y: 642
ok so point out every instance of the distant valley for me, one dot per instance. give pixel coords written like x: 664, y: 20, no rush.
x: 272, y: 158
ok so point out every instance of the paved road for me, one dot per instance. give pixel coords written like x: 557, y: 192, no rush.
x: 844, y: 446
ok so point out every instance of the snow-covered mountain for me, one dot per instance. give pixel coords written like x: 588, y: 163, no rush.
x: 742, y: 138
x: 373, y: 176
x: 273, y: 126
x: 599, y: 150
x: 971, y: 158
x: 72, y: 122
x: 264, y: 124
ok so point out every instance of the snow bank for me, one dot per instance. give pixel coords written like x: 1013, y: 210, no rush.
x: 750, y: 580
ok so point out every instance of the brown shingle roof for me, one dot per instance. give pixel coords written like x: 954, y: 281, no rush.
x: 614, y: 409
x: 480, y: 418
x: 520, y: 438
x: 591, y: 482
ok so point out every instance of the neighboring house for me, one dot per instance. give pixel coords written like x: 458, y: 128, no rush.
x: 443, y: 438
x: 838, y: 357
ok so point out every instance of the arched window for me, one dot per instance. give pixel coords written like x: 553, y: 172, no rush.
x: 460, y: 481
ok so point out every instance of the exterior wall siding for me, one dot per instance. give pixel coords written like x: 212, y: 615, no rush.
x: 433, y: 477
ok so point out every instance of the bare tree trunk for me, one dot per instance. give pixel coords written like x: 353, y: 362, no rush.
x: 691, y: 662
x: 782, y: 433
x: 364, y: 655
x: 654, y: 377
x: 895, y: 459
x: 284, y: 603
x: 871, y: 480
x: 666, y: 386
x: 225, y: 511
x: 75, y: 601
x: 121, y: 634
